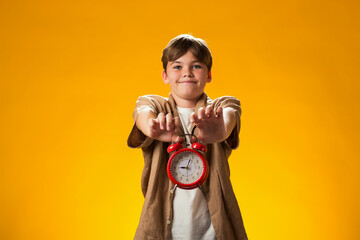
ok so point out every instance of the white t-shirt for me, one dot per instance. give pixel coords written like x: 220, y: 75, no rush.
x: 191, y: 219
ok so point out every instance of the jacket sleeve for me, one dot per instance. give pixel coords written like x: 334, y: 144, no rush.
x: 234, y: 103
x: 137, y: 139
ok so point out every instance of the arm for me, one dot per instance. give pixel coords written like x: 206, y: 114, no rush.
x: 214, y: 126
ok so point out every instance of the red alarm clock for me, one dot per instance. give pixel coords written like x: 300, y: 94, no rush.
x: 187, y: 168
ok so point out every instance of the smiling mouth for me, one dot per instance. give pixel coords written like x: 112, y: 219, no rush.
x: 189, y: 82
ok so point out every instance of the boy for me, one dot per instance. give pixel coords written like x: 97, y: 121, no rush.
x: 211, y: 212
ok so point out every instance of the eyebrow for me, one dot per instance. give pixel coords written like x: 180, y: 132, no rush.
x: 182, y: 62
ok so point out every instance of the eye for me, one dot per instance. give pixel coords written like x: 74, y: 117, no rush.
x: 196, y: 66
x: 177, y: 67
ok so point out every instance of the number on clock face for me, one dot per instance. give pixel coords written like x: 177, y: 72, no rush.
x: 187, y: 167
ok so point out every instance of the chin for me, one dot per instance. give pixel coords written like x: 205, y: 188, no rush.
x: 191, y: 96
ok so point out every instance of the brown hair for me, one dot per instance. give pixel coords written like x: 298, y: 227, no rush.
x: 179, y: 45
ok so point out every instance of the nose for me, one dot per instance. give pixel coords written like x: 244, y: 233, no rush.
x: 187, y: 73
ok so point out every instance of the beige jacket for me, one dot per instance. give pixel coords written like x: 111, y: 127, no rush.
x: 156, y: 216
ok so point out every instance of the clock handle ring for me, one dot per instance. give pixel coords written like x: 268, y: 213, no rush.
x: 188, y: 134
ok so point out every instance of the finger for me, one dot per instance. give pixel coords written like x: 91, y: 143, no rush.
x: 161, y: 119
x: 193, y: 140
x: 201, y: 113
x: 152, y: 123
x: 179, y: 139
x: 169, y: 122
x: 193, y: 118
x: 176, y: 123
x: 219, y: 112
x: 209, y: 110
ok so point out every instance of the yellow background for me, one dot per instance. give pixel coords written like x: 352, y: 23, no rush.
x: 71, y: 71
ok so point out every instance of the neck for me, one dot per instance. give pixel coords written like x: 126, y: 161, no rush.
x: 185, y: 103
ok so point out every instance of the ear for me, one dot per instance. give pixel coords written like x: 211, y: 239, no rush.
x: 209, y: 78
x: 164, y: 77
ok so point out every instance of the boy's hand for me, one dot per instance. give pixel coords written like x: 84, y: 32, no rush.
x: 213, y: 126
x: 164, y: 128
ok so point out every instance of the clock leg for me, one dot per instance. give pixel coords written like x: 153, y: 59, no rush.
x: 172, y: 190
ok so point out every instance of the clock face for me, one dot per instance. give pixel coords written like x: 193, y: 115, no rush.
x: 187, y: 167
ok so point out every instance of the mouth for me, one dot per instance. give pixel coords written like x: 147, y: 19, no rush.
x: 188, y: 82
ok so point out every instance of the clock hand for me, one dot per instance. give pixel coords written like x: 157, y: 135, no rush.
x: 187, y: 166
x: 188, y: 163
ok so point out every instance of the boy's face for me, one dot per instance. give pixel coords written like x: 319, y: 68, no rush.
x: 187, y: 78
